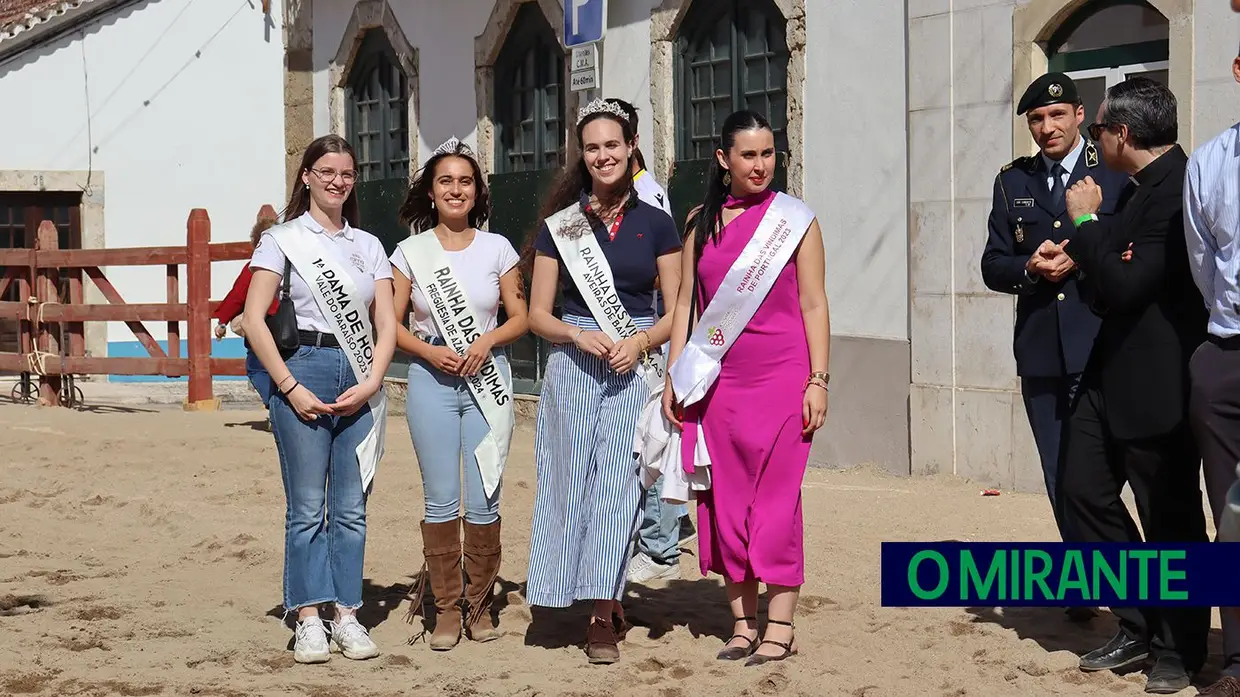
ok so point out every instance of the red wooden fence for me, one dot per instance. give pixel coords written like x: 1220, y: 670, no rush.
x: 42, y: 314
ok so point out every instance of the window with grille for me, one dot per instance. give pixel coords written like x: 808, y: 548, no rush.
x: 20, y: 216
x: 378, y: 110
x: 731, y: 55
x: 529, y: 88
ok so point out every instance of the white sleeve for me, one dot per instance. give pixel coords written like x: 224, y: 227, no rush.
x: 508, y: 257
x: 268, y: 255
x: 399, y: 262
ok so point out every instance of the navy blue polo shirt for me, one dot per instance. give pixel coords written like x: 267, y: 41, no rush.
x: 645, y: 234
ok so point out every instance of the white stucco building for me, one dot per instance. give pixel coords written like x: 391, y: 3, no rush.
x: 894, y: 117
x: 120, y: 116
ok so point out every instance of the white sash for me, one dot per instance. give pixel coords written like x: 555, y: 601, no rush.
x: 337, y: 297
x: 459, y: 328
x: 588, y: 267
x: 743, y: 290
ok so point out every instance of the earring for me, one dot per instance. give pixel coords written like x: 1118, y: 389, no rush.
x: 727, y: 178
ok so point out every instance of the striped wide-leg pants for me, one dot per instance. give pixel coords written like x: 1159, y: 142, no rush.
x: 589, y: 495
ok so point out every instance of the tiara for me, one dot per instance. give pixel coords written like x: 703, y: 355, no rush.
x: 452, y: 145
x: 602, y: 106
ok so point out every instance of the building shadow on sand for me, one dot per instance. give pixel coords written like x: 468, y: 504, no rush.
x: 1051, y: 629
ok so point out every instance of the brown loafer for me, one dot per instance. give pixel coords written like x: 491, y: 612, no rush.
x: 602, y: 645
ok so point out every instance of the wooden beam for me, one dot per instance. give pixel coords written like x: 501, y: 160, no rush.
x: 198, y: 297
x: 130, y: 256
x: 228, y: 366
x: 17, y: 257
x: 231, y: 251
x: 139, y: 331
x: 16, y: 362
x: 143, y: 312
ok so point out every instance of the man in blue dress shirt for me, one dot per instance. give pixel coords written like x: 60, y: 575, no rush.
x: 1024, y: 256
x: 1212, y: 233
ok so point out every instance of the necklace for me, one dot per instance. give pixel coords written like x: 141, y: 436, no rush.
x: 615, y: 225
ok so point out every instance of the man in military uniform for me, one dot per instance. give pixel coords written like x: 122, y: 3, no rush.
x: 1024, y: 256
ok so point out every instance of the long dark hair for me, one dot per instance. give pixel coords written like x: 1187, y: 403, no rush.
x: 705, y: 221
x: 631, y: 111
x: 417, y: 211
x: 573, y: 179
x: 299, y: 199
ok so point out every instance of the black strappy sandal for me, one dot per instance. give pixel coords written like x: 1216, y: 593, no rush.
x: 758, y: 659
x: 736, y: 653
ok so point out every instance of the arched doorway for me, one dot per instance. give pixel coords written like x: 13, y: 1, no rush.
x: 1108, y: 41
x: 729, y: 55
x: 377, y: 125
x: 529, y: 138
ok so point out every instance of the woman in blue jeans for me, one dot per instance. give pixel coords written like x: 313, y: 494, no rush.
x: 319, y: 411
x: 449, y: 200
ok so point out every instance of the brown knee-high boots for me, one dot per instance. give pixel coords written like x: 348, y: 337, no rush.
x: 441, y: 546
x: 482, y: 560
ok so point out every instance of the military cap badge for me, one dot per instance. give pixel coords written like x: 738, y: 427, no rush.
x: 1055, y: 90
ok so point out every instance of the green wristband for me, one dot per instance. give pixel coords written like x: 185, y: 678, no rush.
x: 1081, y: 220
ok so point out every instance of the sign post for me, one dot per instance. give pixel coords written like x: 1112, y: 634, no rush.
x: 585, y: 25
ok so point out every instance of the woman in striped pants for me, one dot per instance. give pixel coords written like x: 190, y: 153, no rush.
x: 588, y: 499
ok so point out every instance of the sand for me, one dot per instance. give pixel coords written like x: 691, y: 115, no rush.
x: 142, y: 555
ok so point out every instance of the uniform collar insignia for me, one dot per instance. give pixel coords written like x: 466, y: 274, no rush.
x: 1091, y: 155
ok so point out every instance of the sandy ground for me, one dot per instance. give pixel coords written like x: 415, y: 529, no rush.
x: 142, y: 555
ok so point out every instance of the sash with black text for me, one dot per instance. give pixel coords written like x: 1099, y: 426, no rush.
x: 588, y: 267
x: 742, y: 291
x: 459, y: 327
x: 349, y: 318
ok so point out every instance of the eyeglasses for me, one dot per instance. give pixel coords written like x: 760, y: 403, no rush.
x: 329, y: 175
x: 1096, y: 129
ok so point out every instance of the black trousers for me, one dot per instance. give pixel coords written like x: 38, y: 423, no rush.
x: 1164, y: 476
x: 1214, y: 412
x: 1048, y: 404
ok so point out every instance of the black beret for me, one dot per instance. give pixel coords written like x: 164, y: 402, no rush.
x: 1051, y: 88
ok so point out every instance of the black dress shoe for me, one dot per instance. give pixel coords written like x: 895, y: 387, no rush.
x: 1168, y: 676
x: 1119, y: 652
x: 1081, y: 614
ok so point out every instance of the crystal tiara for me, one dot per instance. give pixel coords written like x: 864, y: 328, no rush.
x: 452, y: 145
x: 602, y: 106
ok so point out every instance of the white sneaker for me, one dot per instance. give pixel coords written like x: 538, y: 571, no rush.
x: 311, y: 642
x: 353, y: 640
x: 642, y: 569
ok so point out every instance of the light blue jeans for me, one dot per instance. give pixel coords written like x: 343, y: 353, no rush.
x: 446, y: 426
x: 325, y: 519
x: 659, y: 534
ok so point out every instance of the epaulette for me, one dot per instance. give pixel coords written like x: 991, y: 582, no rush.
x: 1018, y: 162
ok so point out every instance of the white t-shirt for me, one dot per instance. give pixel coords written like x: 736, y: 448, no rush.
x: 358, y: 251
x: 651, y: 192
x: 478, y: 267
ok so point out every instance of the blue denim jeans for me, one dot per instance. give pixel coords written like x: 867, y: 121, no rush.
x: 260, y: 379
x: 659, y: 534
x: 325, y: 519
x: 446, y: 426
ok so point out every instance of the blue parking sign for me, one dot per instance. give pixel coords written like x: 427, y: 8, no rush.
x: 585, y: 21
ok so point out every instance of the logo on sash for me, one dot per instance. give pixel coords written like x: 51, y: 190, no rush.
x: 716, y: 336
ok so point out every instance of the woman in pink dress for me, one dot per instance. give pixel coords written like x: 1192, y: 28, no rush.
x: 770, y: 396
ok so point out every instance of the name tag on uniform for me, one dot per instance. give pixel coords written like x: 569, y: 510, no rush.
x: 1023, y: 203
